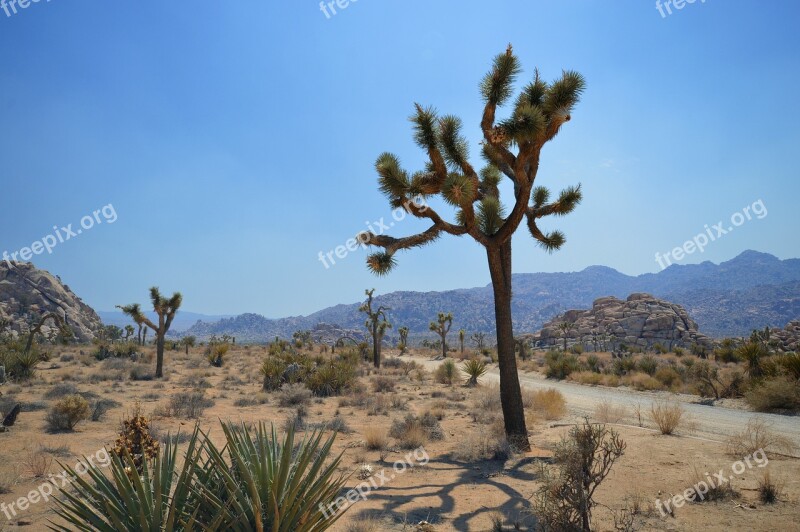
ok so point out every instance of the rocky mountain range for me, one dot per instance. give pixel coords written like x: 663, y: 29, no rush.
x: 26, y: 293
x: 750, y: 291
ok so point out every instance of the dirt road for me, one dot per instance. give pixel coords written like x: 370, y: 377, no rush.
x: 711, y: 422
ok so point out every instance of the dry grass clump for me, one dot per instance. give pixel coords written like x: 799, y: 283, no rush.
x: 375, y: 438
x: 667, y: 415
x: 643, y: 382
x: 757, y: 436
x: 189, y: 405
x: 413, y: 432
x: 446, y: 373
x: 549, y: 403
x: 8, y: 479
x: 364, y: 524
x: 606, y: 412
x: 769, y: 491
x: 487, y: 443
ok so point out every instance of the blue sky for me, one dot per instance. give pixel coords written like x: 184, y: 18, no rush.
x: 236, y: 140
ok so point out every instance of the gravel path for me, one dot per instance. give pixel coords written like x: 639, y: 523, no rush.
x: 710, y: 422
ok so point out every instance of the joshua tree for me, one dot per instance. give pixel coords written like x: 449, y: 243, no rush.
x: 37, y: 328
x: 129, y: 330
x: 511, y: 148
x: 478, y: 339
x: 136, y: 314
x: 461, y: 334
x: 376, y: 324
x: 403, y: 339
x: 565, y: 327
x: 188, y: 341
x: 522, y: 347
x: 441, y: 327
x: 165, y: 309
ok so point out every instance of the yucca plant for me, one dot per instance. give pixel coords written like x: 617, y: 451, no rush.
x: 272, y: 370
x: 475, y: 369
x: 257, y: 482
x: 276, y: 486
x: 447, y: 372
x: 161, y: 498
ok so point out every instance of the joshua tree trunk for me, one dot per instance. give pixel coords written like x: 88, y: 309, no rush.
x: 159, y: 357
x: 376, y: 346
x: 510, y: 393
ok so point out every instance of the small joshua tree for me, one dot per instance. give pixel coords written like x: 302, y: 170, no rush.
x: 165, y: 309
x: 37, y: 328
x: 441, y: 327
x: 479, y: 339
x: 129, y: 330
x: 187, y: 342
x: 403, y: 331
x: 566, y: 327
x: 461, y: 334
x: 512, y: 149
x: 522, y: 347
x: 376, y: 324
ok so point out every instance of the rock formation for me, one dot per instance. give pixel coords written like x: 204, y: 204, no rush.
x: 640, y: 321
x: 27, y: 292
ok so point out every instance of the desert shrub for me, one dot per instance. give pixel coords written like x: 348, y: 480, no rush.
x: 586, y: 377
x: 67, y: 413
x: 413, y: 432
x: 789, y: 365
x: 215, y: 353
x: 296, y: 421
x: 726, y: 351
x: 256, y: 400
x: 560, y: 365
x: 375, y: 438
x: 382, y: 384
x: 780, y: 394
x: 38, y: 463
x: 549, y: 403
x: 446, y: 373
x: 679, y: 352
x: 623, y: 366
x: 593, y: 363
x: 8, y: 479
x: 61, y: 390
x: 100, y: 407
x: 293, y: 395
x: 666, y: 415
x: 332, y: 378
x: 757, y: 436
x: 272, y: 372
x: 648, y: 364
x: 565, y: 500
x: 231, y: 488
x: 475, y: 369
x: 487, y: 399
x: 141, y: 372
x: 667, y: 376
x: 607, y: 412
x: 392, y: 362
x: 576, y: 349
x: 659, y: 348
x: 189, y: 405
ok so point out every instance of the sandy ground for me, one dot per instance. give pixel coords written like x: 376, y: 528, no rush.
x: 447, y: 493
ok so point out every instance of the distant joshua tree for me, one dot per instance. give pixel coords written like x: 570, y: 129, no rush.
x: 129, y: 330
x: 565, y: 327
x: 37, y: 328
x: 403, y: 339
x: 461, y: 334
x: 479, y: 339
x: 165, y: 309
x: 522, y: 347
x: 376, y: 324
x: 187, y: 342
x: 441, y: 327
x: 511, y: 148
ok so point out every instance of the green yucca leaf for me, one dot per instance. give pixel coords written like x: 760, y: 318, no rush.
x: 569, y: 198
x: 455, y: 147
x: 534, y: 92
x: 563, y: 94
x: 392, y: 179
x: 458, y: 190
x: 490, y: 215
x: 381, y: 263
x: 475, y: 369
x: 551, y: 241
x: 424, y: 120
x: 540, y: 195
x: 497, y: 85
